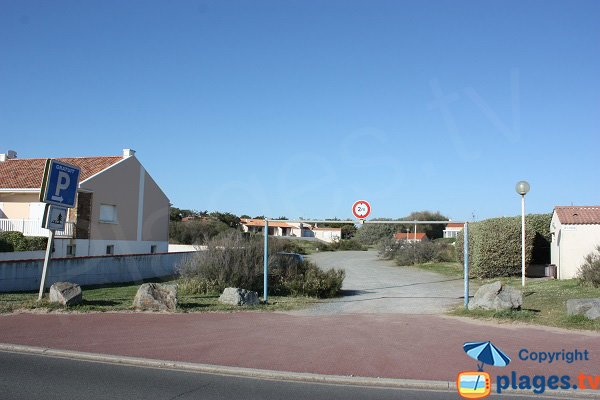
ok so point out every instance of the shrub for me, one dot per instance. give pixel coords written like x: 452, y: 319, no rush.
x: 409, y: 253
x: 309, y: 280
x: 16, y: 241
x: 349, y: 244
x: 495, y: 245
x: 196, y: 231
x: 236, y: 260
x: 370, y: 234
x: 589, y: 272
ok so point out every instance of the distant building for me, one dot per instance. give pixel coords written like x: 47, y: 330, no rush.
x: 410, y: 236
x: 291, y: 229
x: 452, y: 230
x: 120, y: 209
x: 575, y: 233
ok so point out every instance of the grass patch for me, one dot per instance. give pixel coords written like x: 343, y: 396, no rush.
x: 544, y: 300
x: 544, y: 303
x: 120, y: 298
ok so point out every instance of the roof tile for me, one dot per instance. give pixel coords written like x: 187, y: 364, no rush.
x: 27, y: 173
x: 578, y: 215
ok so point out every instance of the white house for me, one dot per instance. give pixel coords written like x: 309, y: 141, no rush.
x: 575, y: 233
x: 452, y: 230
x: 120, y: 209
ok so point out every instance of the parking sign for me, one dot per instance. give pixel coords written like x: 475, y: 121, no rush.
x: 60, y: 184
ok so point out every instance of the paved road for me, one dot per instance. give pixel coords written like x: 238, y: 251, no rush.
x: 376, y: 286
x: 39, y: 377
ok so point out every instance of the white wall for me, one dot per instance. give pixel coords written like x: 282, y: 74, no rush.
x: 328, y: 236
x: 22, y: 255
x: 570, y: 244
x: 26, y: 275
x: 86, y: 247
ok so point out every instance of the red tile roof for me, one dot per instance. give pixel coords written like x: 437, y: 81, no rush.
x: 578, y: 215
x: 27, y: 173
x: 453, y: 225
x: 409, y: 236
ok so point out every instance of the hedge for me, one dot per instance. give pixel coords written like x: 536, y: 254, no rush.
x: 495, y: 245
x: 16, y: 241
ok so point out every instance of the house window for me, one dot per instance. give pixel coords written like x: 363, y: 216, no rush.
x: 110, y: 249
x: 153, y: 249
x: 108, y: 213
x: 71, y: 250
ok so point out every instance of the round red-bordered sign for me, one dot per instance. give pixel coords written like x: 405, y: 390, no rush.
x: 361, y: 209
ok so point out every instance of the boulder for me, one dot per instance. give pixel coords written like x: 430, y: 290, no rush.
x: 156, y: 297
x: 66, y: 293
x: 239, y: 297
x: 496, y: 296
x: 588, y: 307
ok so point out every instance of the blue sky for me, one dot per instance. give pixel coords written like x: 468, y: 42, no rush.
x: 299, y: 108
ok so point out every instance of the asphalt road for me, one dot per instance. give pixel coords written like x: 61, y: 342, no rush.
x: 28, y: 377
x: 375, y: 286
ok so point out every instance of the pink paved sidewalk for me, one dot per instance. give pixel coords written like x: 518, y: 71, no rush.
x: 392, y: 346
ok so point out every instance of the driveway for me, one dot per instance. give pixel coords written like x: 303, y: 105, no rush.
x: 375, y: 286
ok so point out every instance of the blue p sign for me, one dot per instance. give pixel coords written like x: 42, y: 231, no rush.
x: 61, y: 184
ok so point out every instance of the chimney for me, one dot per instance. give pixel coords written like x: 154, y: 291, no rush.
x: 10, y: 155
x: 128, y: 153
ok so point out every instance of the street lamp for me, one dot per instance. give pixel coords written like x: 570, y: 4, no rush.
x: 522, y: 188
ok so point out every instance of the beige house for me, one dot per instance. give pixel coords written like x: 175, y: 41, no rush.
x: 575, y: 233
x: 120, y: 209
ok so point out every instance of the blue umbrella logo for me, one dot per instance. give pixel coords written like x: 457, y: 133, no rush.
x: 486, y: 353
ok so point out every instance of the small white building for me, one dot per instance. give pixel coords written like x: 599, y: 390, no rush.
x: 452, y: 230
x: 329, y: 235
x: 575, y: 233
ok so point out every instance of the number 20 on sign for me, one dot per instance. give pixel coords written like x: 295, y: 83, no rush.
x: 361, y: 209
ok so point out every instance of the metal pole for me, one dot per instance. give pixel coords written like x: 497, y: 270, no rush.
x: 523, y: 240
x: 466, y: 257
x: 266, y: 263
x: 46, y: 263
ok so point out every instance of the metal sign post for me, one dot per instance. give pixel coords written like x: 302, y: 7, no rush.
x: 466, y: 260
x: 59, y: 192
x: 266, y: 263
x: 46, y: 262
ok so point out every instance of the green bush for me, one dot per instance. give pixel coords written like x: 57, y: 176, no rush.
x: 309, y: 280
x: 196, y: 231
x: 589, y: 272
x: 409, y: 253
x: 236, y: 260
x: 345, y: 244
x: 495, y: 245
x: 16, y: 241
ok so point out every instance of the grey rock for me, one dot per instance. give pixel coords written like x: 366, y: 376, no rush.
x: 588, y: 307
x: 239, y: 297
x: 496, y: 296
x: 66, y: 293
x: 156, y: 297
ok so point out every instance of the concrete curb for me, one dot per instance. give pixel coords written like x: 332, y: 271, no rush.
x: 270, y: 374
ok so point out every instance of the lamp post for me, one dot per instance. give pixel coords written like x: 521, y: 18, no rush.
x: 522, y: 188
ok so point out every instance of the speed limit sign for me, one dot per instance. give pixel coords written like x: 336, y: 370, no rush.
x: 361, y: 209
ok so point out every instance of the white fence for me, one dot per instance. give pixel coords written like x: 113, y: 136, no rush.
x: 33, y: 227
